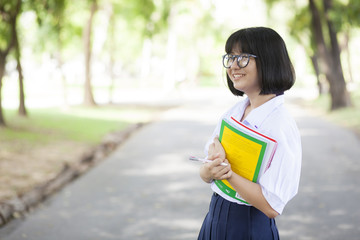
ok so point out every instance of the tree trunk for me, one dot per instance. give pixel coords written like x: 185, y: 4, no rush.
x: 340, y: 97
x: 112, y: 77
x: 169, y: 68
x: 2, y: 71
x: 348, y: 55
x: 329, y: 58
x: 9, y: 19
x: 112, y: 48
x: 314, y: 60
x: 146, y: 59
x: 60, y: 63
x: 318, y: 36
x: 62, y: 75
x: 88, y: 94
x: 22, y: 108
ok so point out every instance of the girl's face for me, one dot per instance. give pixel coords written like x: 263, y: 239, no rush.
x: 244, y: 79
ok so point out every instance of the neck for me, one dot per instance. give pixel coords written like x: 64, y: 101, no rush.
x: 257, y: 100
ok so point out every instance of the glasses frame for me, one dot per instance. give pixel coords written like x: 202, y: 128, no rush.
x: 238, y: 58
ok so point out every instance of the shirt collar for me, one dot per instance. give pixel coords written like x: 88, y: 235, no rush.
x: 258, y: 115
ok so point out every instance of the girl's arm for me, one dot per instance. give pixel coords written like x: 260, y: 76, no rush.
x: 247, y: 189
x: 252, y: 193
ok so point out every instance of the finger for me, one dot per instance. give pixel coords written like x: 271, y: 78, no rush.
x: 224, y: 170
x: 229, y: 174
x: 222, y: 174
x: 223, y: 160
x: 216, y: 142
x: 218, y: 146
x: 216, y: 161
x: 216, y: 169
x: 211, y: 146
x: 226, y: 175
x: 219, y: 170
x: 214, y: 156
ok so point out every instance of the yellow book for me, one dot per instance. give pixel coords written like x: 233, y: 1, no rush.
x: 247, y: 151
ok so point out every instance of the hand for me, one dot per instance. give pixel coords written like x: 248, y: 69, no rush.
x: 213, y: 170
x: 216, y: 150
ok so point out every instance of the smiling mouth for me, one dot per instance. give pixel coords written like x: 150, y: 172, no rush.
x: 238, y: 75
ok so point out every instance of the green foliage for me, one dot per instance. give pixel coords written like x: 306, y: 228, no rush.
x: 7, y: 12
x: 299, y: 29
x: 345, y: 15
x: 354, y: 12
x: 57, y: 25
x: 152, y: 16
x: 48, y: 11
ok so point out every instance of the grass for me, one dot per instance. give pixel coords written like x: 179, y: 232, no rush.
x: 83, y: 124
x: 34, y: 149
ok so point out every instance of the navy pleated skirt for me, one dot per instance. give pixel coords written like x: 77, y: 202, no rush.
x: 231, y: 221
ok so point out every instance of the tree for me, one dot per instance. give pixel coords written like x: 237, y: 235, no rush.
x: 112, y: 48
x: 88, y: 94
x: 52, y: 27
x: 324, y: 45
x: 22, y: 109
x: 346, y: 17
x: 9, y: 11
x: 299, y: 29
x: 329, y: 55
x: 154, y: 17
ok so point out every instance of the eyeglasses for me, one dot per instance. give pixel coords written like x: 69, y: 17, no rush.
x: 242, y: 60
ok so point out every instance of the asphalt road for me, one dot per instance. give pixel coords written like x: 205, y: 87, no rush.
x: 147, y: 189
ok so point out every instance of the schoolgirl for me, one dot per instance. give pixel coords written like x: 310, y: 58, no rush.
x: 258, y: 65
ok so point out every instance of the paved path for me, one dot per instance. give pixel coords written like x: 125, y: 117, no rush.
x: 147, y: 189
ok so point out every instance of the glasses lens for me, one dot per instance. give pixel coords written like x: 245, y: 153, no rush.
x: 228, y: 60
x: 243, y: 60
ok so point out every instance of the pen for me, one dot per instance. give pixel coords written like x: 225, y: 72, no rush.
x: 192, y: 158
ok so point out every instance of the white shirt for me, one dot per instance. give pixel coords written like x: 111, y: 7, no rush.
x: 280, y: 182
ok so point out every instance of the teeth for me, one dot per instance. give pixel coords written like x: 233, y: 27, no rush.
x: 238, y: 75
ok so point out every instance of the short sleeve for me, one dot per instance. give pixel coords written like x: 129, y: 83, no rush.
x: 280, y: 182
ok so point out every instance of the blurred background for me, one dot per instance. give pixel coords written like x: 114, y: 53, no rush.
x: 89, y: 51
x: 73, y: 71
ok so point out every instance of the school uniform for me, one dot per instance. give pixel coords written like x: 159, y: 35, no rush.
x: 229, y: 218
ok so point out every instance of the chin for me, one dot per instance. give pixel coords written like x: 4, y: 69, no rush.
x: 239, y: 88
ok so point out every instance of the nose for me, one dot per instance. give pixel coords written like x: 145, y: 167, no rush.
x: 234, y: 64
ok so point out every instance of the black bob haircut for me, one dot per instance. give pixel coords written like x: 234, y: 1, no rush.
x: 275, y: 70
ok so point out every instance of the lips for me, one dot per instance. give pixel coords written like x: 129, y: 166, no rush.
x: 238, y: 75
